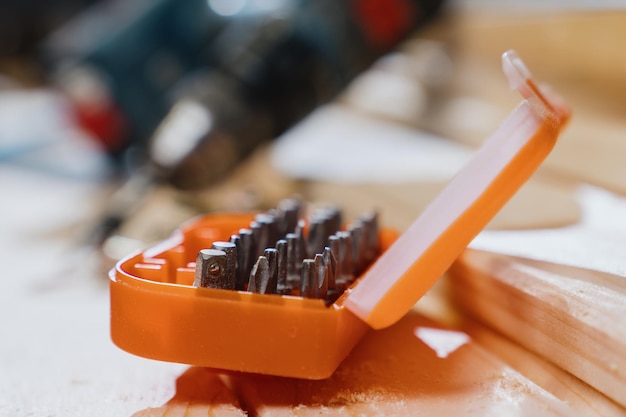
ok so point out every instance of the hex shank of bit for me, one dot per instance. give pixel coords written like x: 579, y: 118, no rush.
x: 240, y: 276
x: 210, y: 269
x: 269, y: 224
x: 230, y: 270
x: 248, y: 251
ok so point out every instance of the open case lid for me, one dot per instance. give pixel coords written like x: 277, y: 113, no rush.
x: 404, y: 273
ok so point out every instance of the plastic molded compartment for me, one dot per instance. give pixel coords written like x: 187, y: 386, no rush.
x: 156, y: 313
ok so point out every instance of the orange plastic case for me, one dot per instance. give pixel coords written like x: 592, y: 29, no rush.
x: 157, y: 313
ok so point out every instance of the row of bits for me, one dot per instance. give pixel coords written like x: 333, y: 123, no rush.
x: 274, y: 256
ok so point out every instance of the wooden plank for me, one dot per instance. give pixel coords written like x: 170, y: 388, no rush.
x: 568, y: 315
x: 414, y: 367
x: 199, y: 392
x: 581, y: 396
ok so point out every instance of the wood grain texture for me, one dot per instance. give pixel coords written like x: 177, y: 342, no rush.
x: 199, y: 392
x: 585, y: 399
x: 395, y: 373
x: 571, y: 317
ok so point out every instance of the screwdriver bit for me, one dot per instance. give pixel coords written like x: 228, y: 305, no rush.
x: 370, y: 220
x: 320, y: 280
x: 230, y: 270
x: 271, y: 254
x: 345, y: 254
x: 248, y: 251
x: 259, y: 276
x: 210, y: 269
x: 301, y: 246
x: 294, y: 260
x: 316, y: 237
x: 282, y: 286
x: 263, y: 259
x: 259, y: 237
x: 240, y: 276
x: 335, y: 248
x: 335, y: 218
x: 268, y: 230
x: 307, y: 280
x: 330, y: 218
x: 331, y: 264
x: 290, y: 209
x: 358, y: 247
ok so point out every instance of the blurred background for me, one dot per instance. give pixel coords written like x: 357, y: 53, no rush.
x: 121, y: 119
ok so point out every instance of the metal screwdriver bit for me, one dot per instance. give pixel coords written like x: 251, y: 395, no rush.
x: 240, y: 276
x: 269, y: 229
x: 335, y: 218
x: 373, y: 246
x: 335, y: 248
x: 259, y: 236
x: 248, y: 252
x: 271, y: 254
x: 345, y: 254
x: 230, y: 271
x: 320, y: 280
x: 330, y: 218
x: 316, y: 239
x: 301, y: 246
x: 329, y: 226
x: 331, y: 265
x: 294, y: 260
x: 358, y: 249
x: 259, y: 276
x: 307, y: 288
x: 290, y: 209
x: 282, y: 286
x: 210, y: 269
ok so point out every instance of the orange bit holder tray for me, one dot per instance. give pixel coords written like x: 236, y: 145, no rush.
x: 157, y: 313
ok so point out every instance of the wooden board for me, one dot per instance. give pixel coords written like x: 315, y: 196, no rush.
x: 580, y: 395
x: 570, y: 316
x: 414, y: 367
